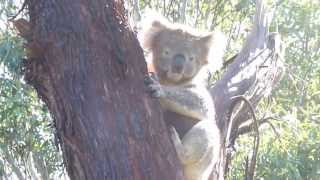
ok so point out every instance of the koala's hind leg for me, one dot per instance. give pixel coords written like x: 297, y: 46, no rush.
x: 188, y: 151
x: 196, y: 149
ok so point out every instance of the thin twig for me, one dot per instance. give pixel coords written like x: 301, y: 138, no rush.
x: 231, y: 121
x: 274, y: 130
x: 229, y: 143
x: 252, y: 164
x: 20, y: 10
x: 248, y: 128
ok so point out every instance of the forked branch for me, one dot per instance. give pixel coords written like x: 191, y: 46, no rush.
x: 253, y: 74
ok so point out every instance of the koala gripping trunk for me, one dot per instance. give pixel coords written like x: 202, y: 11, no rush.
x: 87, y: 66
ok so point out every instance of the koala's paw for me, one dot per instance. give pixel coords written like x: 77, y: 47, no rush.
x: 153, y: 87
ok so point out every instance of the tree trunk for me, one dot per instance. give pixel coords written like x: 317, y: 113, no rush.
x: 87, y: 65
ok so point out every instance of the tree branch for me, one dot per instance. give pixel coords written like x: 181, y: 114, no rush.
x: 244, y: 129
x: 253, y: 73
x: 23, y: 7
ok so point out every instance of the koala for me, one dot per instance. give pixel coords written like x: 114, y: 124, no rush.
x: 181, y: 57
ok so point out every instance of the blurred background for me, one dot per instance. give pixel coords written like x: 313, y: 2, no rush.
x: 290, y: 141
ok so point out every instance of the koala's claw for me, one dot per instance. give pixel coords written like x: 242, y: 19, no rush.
x: 155, y: 90
x: 148, y: 80
x: 156, y: 94
x: 153, y: 87
x: 174, y: 135
x: 172, y: 130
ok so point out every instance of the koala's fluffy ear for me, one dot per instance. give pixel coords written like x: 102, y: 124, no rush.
x: 206, y: 40
x: 215, y: 44
x: 151, y: 27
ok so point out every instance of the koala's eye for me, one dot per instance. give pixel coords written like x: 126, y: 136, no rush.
x: 191, y: 58
x: 166, y: 52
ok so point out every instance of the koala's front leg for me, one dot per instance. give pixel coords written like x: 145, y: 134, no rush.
x: 192, y: 101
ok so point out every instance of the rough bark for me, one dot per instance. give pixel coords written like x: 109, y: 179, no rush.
x: 87, y: 65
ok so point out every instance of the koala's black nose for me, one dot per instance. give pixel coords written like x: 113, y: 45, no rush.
x: 178, y: 62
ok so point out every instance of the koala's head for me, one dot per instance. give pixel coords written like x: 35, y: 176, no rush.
x: 178, y: 52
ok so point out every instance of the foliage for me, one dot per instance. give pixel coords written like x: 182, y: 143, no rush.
x: 295, y: 153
